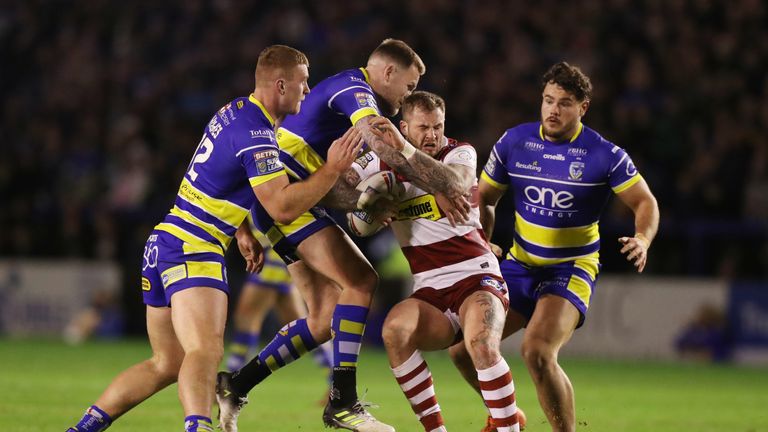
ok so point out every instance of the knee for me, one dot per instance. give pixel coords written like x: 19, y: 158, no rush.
x: 398, y: 331
x: 538, y: 355
x: 167, y: 367
x: 484, y: 353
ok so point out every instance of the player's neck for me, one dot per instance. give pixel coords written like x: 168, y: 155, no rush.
x: 565, y: 138
x: 270, y: 104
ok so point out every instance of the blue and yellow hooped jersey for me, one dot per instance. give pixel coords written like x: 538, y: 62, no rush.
x: 560, y: 190
x: 238, y: 151
x: 333, y: 105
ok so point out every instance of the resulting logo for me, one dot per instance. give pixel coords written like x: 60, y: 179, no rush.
x: 576, y: 170
x: 534, y: 166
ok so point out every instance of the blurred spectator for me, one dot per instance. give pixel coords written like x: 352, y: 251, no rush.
x: 103, y: 101
x: 705, y: 337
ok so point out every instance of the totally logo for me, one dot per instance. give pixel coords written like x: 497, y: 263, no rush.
x: 262, y: 133
x: 558, y: 157
x: 534, y: 166
x: 549, y: 198
x: 533, y: 146
x: 576, y: 170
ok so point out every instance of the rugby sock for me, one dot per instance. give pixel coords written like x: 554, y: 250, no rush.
x: 347, y: 329
x: 242, y: 343
x: 290, y: 343
x: 415, y: 380
x: 94, y: 420
x: 498, y: 392
x: 196, y: 423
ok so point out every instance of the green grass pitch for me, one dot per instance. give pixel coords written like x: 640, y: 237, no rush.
x: 45, y: 386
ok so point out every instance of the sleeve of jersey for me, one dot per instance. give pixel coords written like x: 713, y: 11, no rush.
x: 355, y: 101
x: 462, y: 155
x: 623, y: 173
x: 495, y: 172
x: 261, y: 160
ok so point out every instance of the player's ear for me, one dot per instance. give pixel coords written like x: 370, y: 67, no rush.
x: 403, y: 128
x: 389, y: 70
x: 280, y: 84
x: 583, y: 107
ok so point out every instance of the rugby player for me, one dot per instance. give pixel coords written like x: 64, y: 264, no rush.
x: 458, y: 288
x: 561, y: 174
x: 183, y: 274
x: 334, y: 277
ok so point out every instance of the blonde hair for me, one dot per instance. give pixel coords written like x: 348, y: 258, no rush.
x: 399, y: 52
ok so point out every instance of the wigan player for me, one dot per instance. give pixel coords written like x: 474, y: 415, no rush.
x: 340, y: 281
x: 458, y: 288
x: 183, y: 275
x: 561, y: 174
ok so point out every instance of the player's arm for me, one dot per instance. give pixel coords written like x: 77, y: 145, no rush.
x: 639, y: 198
x: 343, y: 194
x: 250, y: 248
x: 420, y: 168
x: 285, y: 201
x: 489, y: 198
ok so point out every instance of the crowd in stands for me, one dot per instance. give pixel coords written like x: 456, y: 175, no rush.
x: 103, y: 103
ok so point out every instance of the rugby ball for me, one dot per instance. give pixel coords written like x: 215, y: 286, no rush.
x: 363, y: 224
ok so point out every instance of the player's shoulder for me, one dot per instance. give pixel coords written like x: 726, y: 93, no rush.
x: 345, y: 79
x: 244, y: 122
x: 519, y: 134
x: 595, y: 143
x: 454, y: 146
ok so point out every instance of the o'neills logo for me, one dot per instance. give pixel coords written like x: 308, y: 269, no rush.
x: 533, y: 167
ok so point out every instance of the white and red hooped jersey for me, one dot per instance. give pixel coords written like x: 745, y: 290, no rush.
x: 439, y: 255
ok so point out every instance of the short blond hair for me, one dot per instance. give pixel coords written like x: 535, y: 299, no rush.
x: 399, y: 52
x: 423, y: 100
x: 278, y: 58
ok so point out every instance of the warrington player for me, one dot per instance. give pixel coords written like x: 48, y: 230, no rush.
x: 561, y: 174
x: 341, y: 281
x: 183, y: 275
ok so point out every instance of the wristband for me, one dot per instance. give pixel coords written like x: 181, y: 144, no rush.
x: 408, y: 150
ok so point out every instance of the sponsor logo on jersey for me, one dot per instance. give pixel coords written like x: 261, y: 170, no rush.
x: 263, y: 133
x: 576, y: 170
x: 146, y: 285
x: 364, y: 160
x: 558, y: 157
x: 494, y: 284
x: 354, y: 78
x: 631, y: 170
x: 548, y: 197
x: 423, y: 206
x: 365, y: 100
x: 267, y: 161
x: 534, y: 166
x: 240, y: 104
x: 464, y: 154
x: 490, y: 166
x: 214, y: 127
x: 577, y: 151
x: 533, y: 146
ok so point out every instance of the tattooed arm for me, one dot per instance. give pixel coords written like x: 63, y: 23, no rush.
x: 422, y: 169
x: 343, y: 194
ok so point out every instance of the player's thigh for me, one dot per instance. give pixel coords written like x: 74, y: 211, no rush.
x: 552, y: 324
x: 482, y: 316
x: 319, y: 292
x: 419, y: 323
x: 290, y: 306
x: 199, y: 315
x: 166, y: 349
x: 333, y: 254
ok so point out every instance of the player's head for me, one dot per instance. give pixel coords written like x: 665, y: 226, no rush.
x: 394, y: 69
x: 283, y: 72
x: 423, y: 123
x: 566, y: 93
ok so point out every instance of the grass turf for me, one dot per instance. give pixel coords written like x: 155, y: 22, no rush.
x: 45, y: 386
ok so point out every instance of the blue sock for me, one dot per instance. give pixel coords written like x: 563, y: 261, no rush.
x: 196, y: 423
x: 347, y: 329
x: 290, y: 343
x: 94, y: 420
x: 242, y: 343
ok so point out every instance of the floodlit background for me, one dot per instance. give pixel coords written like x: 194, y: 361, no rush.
x: 102, y: 104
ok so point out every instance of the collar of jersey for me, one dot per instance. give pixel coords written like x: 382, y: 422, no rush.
x: 573, y: 138
x: 365, y: 74
x: 258, y: 103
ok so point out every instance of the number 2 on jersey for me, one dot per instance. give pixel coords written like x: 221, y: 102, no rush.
x: 203, y: 152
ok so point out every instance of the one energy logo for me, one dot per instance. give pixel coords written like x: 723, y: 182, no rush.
x: 549, y: 198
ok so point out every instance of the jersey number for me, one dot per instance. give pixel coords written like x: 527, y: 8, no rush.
x: 203, y: 152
